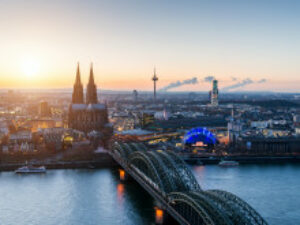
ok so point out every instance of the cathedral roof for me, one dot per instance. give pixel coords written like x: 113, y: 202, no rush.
x: 78, y: 106
x: 99, y: 106
x: 88, y: 107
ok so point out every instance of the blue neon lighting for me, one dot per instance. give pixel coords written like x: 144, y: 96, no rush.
x: 199, y: 134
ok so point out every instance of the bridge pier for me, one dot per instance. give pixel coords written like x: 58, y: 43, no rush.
x: 163, y: 218
x: 159, y: 216
x: 123, y: 175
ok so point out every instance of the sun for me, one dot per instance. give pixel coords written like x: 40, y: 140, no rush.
x: 30, y: 66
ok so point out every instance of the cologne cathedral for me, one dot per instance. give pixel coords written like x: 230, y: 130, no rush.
x: 87, y: 115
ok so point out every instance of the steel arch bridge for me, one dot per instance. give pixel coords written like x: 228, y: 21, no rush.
x: 167, y: 178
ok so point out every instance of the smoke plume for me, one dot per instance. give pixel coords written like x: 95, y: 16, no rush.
x: 262, y: 81
x: 242, y: 83
x: 178, y: 83
x: 208, y: 79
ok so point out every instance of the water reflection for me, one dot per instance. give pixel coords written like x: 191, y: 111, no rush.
x: 122, y: 174
x: 273, y: 190
x: 73, y: 197
x: 99, y: 197
x: 134, y: 199
x: 199, y: 172
x: 120, y: 192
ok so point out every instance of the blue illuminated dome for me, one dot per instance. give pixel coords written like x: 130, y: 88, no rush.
x: 199, y: 134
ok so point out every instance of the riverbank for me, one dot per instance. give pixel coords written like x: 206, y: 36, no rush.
x: 244, y: 159
x: 104, y: 160
x: 101, y: 160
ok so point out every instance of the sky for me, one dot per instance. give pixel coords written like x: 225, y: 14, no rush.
x: 233, y: 41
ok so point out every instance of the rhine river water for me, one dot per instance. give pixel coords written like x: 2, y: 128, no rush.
x: 83, y: 197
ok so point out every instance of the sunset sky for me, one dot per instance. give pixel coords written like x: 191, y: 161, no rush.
x: 41, y: 42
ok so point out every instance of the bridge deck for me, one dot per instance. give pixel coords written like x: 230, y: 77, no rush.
x: 165, y: 176
x: 155, y: 193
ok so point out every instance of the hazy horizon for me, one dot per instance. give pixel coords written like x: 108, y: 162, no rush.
x: 107, y: 91
x: 248, y: 46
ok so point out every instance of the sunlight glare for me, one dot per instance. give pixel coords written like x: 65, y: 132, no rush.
x: 30, y: 66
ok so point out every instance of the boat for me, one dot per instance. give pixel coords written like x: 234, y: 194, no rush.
x: 226, y: 163
x: 31, y: 169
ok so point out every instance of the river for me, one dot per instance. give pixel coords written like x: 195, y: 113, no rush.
x: 76, y: 197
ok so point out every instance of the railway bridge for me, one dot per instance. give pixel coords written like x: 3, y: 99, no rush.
x: 171, y: 183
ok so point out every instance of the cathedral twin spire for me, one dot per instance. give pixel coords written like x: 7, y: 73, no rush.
x: 77, y: 96
x: 91, y: 91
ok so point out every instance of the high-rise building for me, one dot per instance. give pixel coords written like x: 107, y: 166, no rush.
x: 147, y: 118
x: 44, y: 109
x: 155, y: 79
x: 214, y: 94
x: 89, y: 116
x: 135, y: 95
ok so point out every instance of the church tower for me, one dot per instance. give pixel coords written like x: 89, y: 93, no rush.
x: 77, y: 96
x: 90, y: 116
x: 91, y: 90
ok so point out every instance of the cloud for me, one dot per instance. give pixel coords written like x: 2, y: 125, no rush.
x: 178, y: 83
x: 233, y: 78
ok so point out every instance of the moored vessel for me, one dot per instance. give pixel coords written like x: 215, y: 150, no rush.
x: 226, y: 163
x: 31, y: 169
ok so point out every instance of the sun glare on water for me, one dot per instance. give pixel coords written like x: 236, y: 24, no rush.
x: 30, y: 67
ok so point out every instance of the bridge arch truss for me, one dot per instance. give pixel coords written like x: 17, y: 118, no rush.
x: 169, y: 176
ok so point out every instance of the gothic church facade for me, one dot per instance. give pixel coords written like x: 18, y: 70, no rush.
x: 87, y: 115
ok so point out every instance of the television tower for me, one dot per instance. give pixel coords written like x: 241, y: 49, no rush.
x: 154, y: 78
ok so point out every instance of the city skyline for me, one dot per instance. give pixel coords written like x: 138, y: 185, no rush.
x: 149, y: 112
x: 234, y: 42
